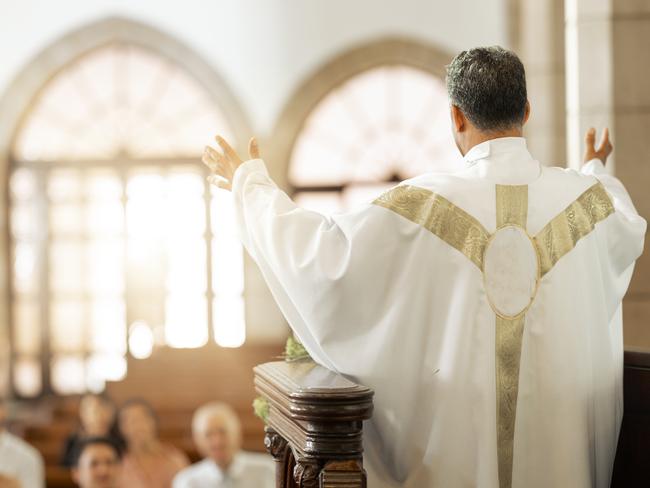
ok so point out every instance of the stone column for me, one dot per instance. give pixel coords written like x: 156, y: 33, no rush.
x: 539, y: 41
x: 608, y: 68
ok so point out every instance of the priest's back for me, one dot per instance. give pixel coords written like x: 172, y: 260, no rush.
x: 483, y: 307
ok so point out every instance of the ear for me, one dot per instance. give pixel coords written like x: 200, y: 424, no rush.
x: 527, y: 112
x: 458, y: 119
x: 75, y: 475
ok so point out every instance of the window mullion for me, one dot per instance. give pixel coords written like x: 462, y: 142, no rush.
x: 44, y: 297
x: 122, y: 172
x: 210, y: 295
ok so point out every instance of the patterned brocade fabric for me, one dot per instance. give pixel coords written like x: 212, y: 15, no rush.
x: 466, y: 234
x: 562, y: 233
x: 440, y: 217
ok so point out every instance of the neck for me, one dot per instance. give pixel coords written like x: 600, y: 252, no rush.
x: 475, y: 138
x: 95, y: 431
x: 224, y: 465
x: 144, y: 447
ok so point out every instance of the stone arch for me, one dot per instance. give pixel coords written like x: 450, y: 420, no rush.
x: 20, y: 94
x: 340, y: 68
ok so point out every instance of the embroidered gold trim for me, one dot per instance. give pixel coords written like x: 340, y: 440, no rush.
x: 512, y: 205
x: 466, y: 234
x: 440, y: 217
x: 562, y: 233
x: 511, y: 209
x: 509, y: 334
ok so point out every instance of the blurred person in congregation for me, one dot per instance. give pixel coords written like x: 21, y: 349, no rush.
x: 217, y: 434
x: 96, y: 463
x: 21, y: 466
x: 147, y: 462
x: 96, y: 419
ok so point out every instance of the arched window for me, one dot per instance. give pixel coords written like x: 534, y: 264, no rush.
x: 116, y: 244
x: 384, y: 118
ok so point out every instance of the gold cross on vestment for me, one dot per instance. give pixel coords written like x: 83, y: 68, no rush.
x: 464, y: 233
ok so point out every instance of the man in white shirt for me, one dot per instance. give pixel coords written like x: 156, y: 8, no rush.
x: 21, y: 466
x: 483, y: 307
x: 217, y: 434
x: 96, y: 463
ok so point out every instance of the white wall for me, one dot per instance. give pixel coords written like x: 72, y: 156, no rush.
x: 261, y: 48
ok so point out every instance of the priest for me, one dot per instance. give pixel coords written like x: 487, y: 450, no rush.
x: 483, y: 306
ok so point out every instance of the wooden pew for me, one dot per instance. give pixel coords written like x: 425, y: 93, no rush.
x: 297, y: 405
x: 631, y: 468
x: 175, y: 382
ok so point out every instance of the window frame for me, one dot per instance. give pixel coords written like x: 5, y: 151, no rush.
x: 18, y: 100
x: 390, y: 51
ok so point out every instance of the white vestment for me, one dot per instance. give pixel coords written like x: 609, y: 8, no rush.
x: 458, y: 326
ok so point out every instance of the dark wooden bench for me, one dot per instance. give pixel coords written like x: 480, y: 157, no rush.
x: 631, y: 468
x: 314, y: 426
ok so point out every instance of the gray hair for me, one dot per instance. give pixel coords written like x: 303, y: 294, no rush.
x: 488, y: 84
x: 221, y: 410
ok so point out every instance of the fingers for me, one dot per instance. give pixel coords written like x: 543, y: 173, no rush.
x: 253, y: 149
x: 604, y: 147
x: 215, y: 156
x: 214, y: 180
x: 605, y: 144
x: 212, y: 166
x: 214, y: 160
x: 227, y: 150
x: 590, y: 138
x: 225, y: 162
x: 219, y: 182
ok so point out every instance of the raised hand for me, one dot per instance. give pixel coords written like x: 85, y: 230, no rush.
x: 224, y: 163
x: 604, y: 149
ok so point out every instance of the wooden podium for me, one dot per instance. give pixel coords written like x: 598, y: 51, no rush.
x: 314, y: 421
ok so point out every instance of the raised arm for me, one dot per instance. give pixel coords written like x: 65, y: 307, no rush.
x: 315, y: 266
x: 595, y: 160
x: 626, y: 244
x: 626, y: 229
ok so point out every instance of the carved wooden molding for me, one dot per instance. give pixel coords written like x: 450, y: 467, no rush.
x: 305, y: 473
x: 343, y: 474
x: 314, y: 424
x: 278, y: 448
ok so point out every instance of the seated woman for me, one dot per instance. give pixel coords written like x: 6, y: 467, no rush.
x: 147, y: 463
x: 96, y: 419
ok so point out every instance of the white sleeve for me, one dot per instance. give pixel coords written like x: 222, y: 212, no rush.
x: 313, y: 264
x: 626, y: 245
x: 625, y: 233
